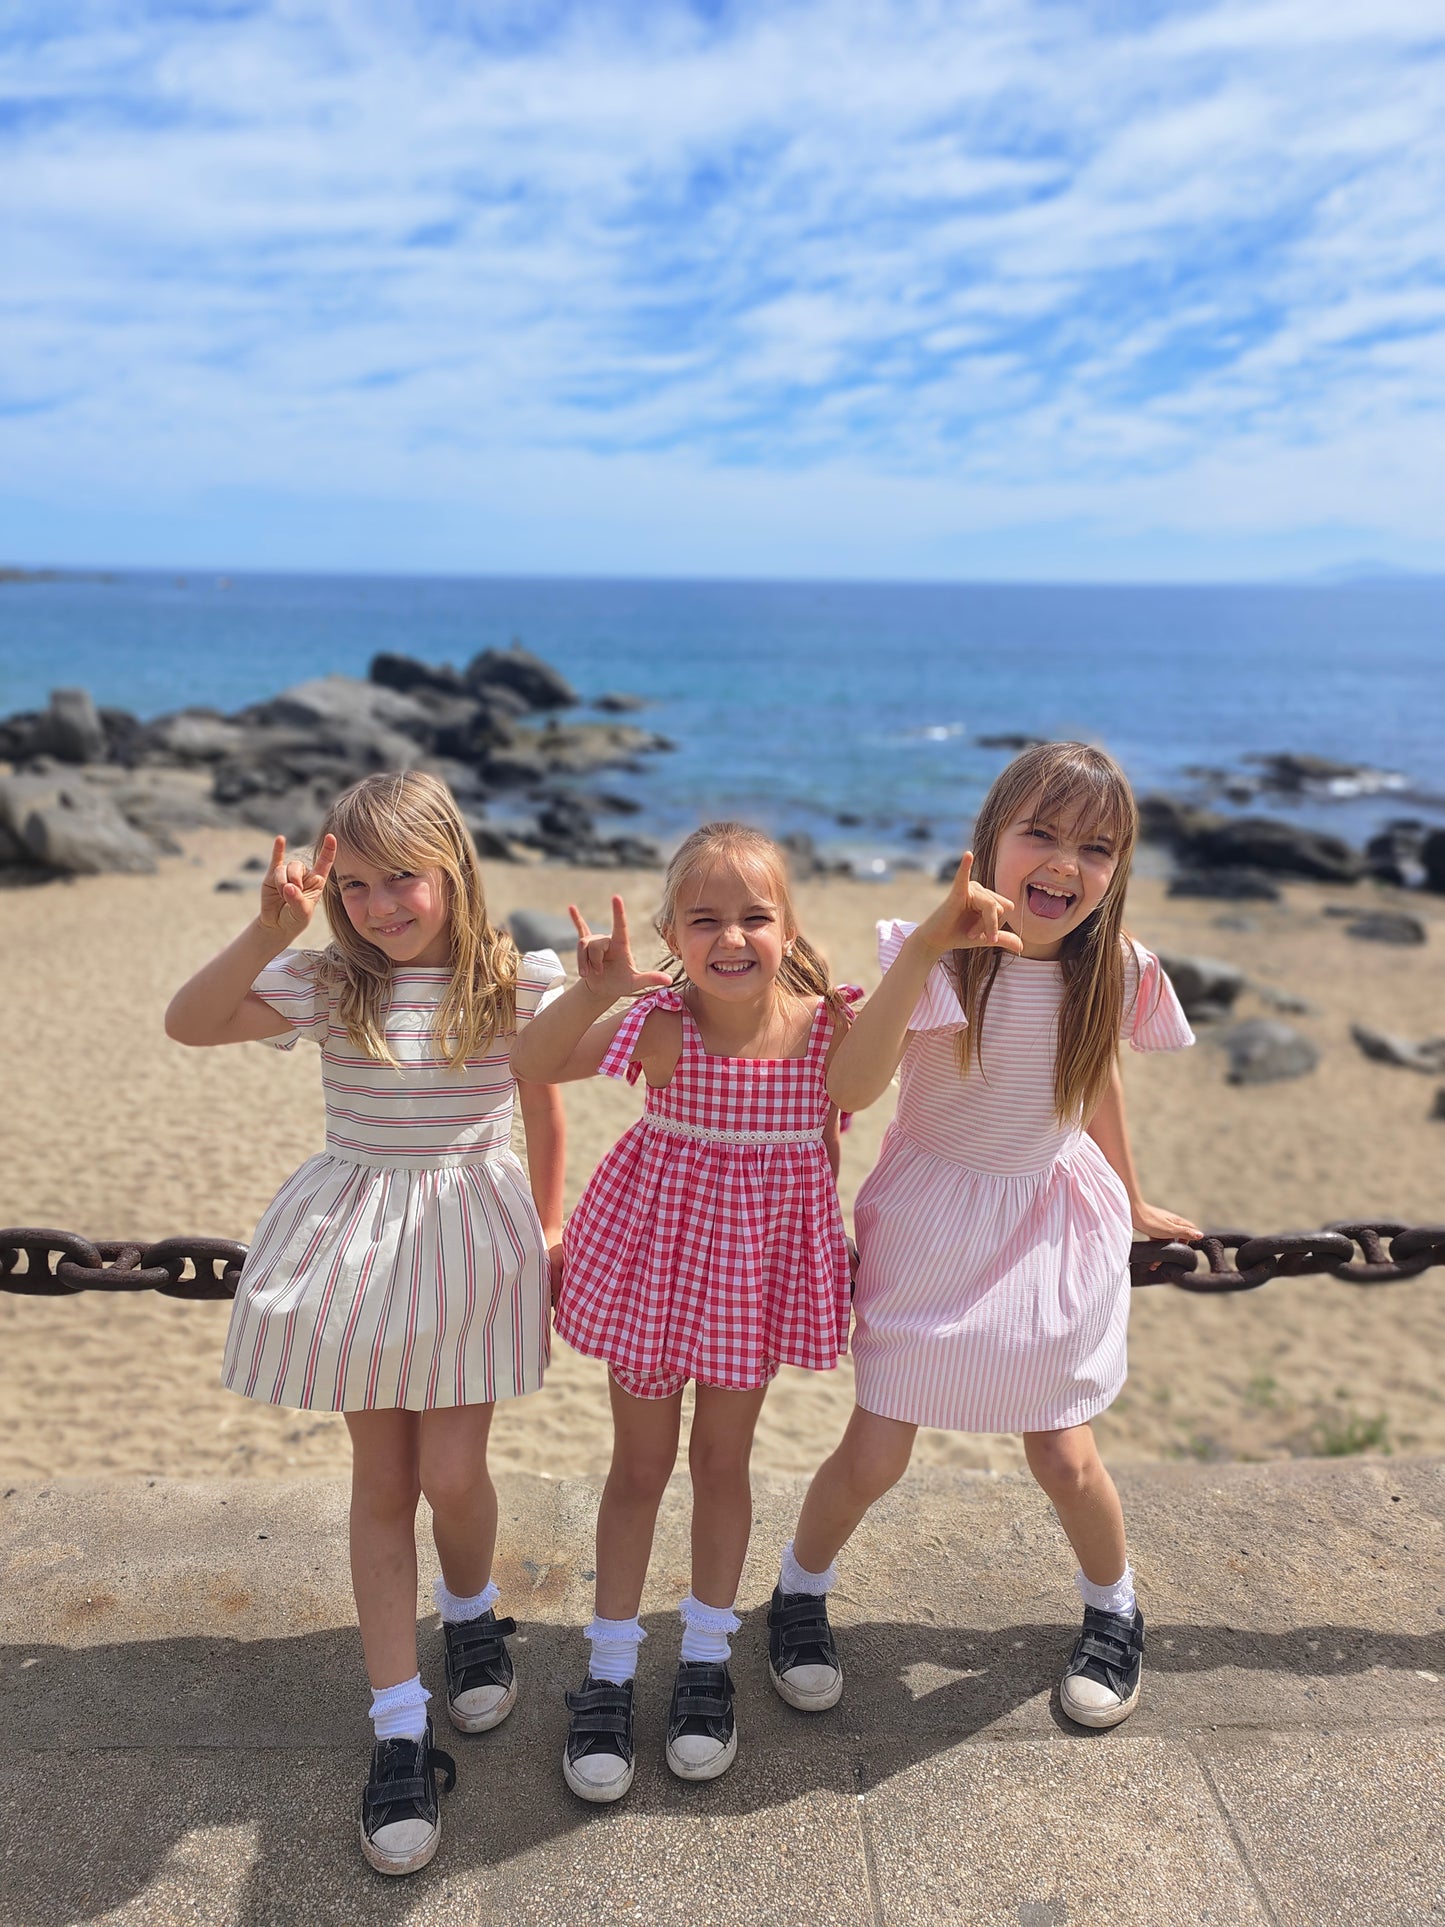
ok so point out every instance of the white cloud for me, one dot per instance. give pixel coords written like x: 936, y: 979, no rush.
x: 979, y: 266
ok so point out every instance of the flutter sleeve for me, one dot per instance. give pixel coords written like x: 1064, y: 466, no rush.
x: 1153, y: 1015
x: 938, y: 1007
x: 288, y: 984
x: 617, y: 1059
x: 540, y: 981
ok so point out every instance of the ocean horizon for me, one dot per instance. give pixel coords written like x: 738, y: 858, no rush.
x: 795, y: 703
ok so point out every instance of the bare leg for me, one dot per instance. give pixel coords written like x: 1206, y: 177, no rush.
x: 1068, y: 1467
x: 385, y: 1486
x: 871, y: 1456
x: 644, y: 1451
x: 722, y: 1499
x: 459, y: 1490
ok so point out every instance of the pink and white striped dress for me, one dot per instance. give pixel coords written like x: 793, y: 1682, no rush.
x: 993, y: 1241
x: 709, y: 1243
x: 403, y: 1267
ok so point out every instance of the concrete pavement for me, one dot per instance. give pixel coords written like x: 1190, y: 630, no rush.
x: 185, y: 1735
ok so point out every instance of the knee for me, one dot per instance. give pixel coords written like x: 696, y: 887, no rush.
x: 451, y: 1483
x: 1064, y: 1465
x: 717, y: 1465
x: 867, y: 1474
x: 639, y: 1478
x: 386, y: 1493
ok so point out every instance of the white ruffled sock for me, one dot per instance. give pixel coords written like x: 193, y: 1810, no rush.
x: 614, y: 1644
x: 1118, y: 1598
x: 455, y: 1610
x: 399, y: 1712
x: 796, y: 1578
x: 707, y: 1631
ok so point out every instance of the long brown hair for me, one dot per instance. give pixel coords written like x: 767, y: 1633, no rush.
x: 1070, y: 783
x: 407, y: 820
x: 804, y: 971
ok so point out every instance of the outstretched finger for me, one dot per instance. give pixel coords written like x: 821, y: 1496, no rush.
x: 964, y: 875
x: 278, y: 855
x: 619, y: 924
x: 579, y: 923
x: 325, y: 857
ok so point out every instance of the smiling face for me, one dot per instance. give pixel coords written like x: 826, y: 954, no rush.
x: 1056, y: 871
x: 729, y: 932
x: 403, y: 912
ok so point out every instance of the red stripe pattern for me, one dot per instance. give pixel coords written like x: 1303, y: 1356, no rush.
x: 993, y: 1283
x: 404, y: 1266
x: 709, y: 1243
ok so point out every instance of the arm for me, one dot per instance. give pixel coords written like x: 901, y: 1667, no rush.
x: 968, y: 917
x: 569, y: 1038
x: 1109, y: 1131
x: 217, y: 1005
x: 545, y: 1123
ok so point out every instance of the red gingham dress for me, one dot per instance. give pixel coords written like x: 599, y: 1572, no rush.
x: 709, y: 1243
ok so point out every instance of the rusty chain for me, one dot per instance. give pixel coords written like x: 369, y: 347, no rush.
x: 58, y: 1263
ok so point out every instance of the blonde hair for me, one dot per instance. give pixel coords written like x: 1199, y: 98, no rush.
x: 804, y: 971
x: 407, y: 820
x: 1061, y: 783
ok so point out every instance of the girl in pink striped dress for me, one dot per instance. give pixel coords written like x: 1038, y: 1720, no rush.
x: 994, y: 1231
x: 708, y: 1246
x: 401, y: 1277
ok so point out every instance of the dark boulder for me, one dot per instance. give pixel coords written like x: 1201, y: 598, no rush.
x: 1164, y: 819
x: 1387, y: 926
x: 616, y: 702
x: 1427, y: 1056
x: 537, y: 682
x: 71, y: 729
x: 408, y: 675
x: 543, y: 930
x: 1262, y: 1051
x: 1226, y: 886
x: 81, y: 833
x: 1283, y: 849
x: 1432, y: 860
x: 1204, y: 986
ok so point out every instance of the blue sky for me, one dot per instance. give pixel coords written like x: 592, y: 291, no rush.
x: 841, y: 287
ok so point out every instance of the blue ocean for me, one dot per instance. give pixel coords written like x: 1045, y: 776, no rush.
x: 792, y: 704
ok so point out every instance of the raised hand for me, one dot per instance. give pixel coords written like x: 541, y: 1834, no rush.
x: 292, y: 890
x: 604, y: 962
x: 970, y: 917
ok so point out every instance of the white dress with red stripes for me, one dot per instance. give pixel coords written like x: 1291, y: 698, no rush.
x: 709, y: 1243
x: 404, y: 1267
x: 993, y: 1241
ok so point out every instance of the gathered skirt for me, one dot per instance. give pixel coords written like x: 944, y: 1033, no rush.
x: 381, y: 1287
x: 989, y: 1302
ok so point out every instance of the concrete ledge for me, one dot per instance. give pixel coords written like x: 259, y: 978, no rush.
x: 185, y: 1733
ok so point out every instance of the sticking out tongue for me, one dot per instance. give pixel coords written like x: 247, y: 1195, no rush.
x: 1041, y: 904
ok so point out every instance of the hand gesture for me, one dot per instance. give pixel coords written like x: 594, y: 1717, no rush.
x: 970, y: 917
x: 604, y: 963
x: 291, y: 891
x: 1150, y: 1222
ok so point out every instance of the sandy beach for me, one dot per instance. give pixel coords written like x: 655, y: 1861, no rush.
x: 109, y: 1129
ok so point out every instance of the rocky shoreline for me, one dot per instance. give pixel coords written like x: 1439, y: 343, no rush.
x: 93, y: 790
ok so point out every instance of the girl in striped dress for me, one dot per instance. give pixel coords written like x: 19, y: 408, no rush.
x: 402, y: 1276
x: 994, y: 1231
x: 708, y: 1246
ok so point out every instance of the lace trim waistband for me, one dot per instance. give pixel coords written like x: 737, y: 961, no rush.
x: 675, y: 1127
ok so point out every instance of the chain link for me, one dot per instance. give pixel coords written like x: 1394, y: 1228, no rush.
x: 58, y: 1263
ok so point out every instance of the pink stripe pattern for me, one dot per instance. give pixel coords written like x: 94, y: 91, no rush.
x: 404, y: 1266
x: 993, y: 1284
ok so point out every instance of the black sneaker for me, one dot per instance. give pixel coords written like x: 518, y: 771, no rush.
x: 1100, y: 1686
x: 481, y: 1686
x: 702, y: 1736
x: 597, y: 1763
x: 401, y: 1820
x: 802, y: 1659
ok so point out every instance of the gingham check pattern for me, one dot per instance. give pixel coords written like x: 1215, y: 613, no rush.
x: 712, y: 1259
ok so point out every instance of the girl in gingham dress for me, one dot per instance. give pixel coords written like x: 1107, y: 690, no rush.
x: 403, y: 1276
x: 708, y: 1246
x: 994, y: 1232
